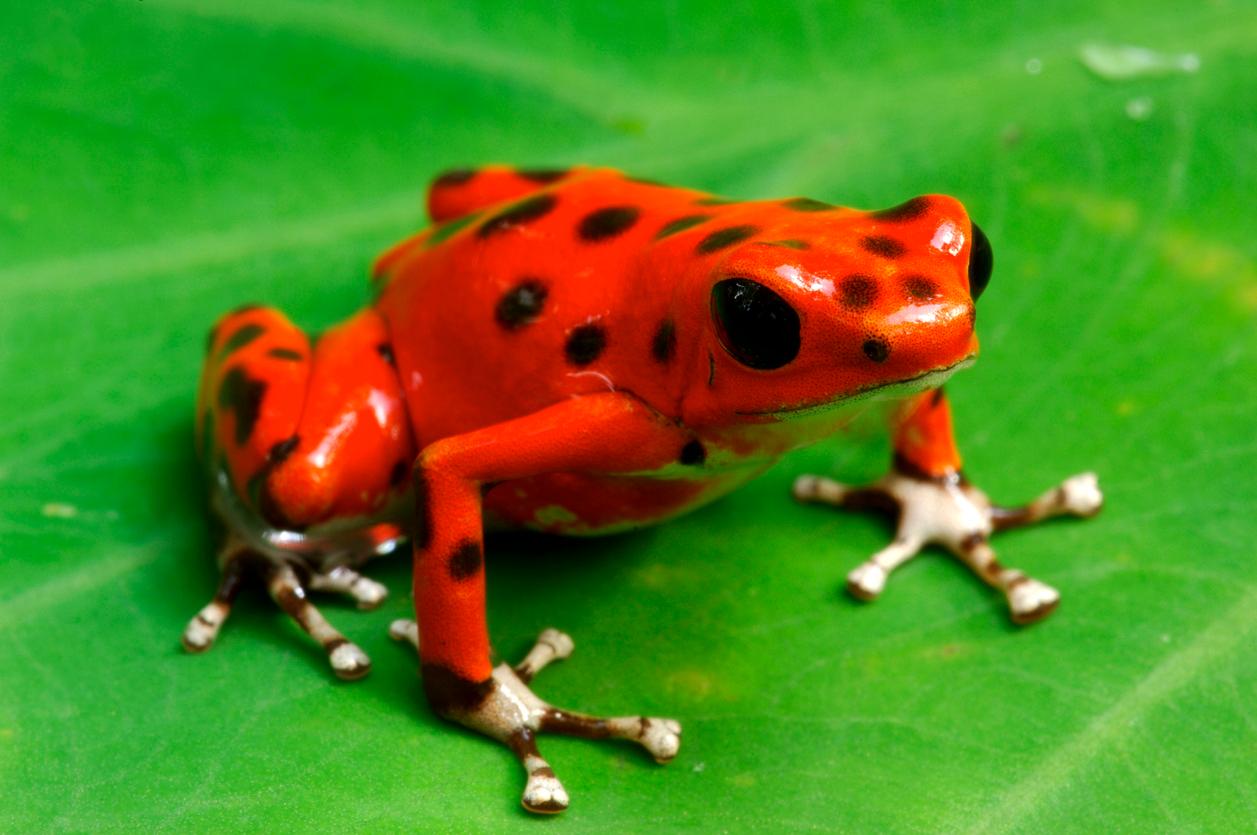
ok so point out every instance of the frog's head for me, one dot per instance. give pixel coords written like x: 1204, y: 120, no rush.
x: 832, y: 305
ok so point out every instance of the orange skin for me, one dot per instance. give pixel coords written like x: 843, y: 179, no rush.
x: 548, y: 356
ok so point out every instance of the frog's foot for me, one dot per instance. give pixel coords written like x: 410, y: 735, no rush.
x: 949, y: 511
x: 503, y: 707
x: 343, y: 579
x: 348, y: 661
x: 282, y: 583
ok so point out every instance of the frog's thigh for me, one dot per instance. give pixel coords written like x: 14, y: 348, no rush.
x: 253, y: 387
x: 307, y: 433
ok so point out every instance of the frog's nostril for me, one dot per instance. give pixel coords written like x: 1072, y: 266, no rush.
x: 920, y: 288
x: 981, y: 262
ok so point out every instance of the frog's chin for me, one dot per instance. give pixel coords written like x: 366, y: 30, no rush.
x: 895, y: 389
x: 922, y: 382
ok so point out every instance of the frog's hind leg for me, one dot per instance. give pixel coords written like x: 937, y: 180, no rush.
x: 305, y: 443
x: 934, y: 503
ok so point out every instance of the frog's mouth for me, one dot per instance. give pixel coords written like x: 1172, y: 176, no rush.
x: 898, y: 388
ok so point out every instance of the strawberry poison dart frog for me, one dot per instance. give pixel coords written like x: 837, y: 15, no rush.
x: 580, y: 352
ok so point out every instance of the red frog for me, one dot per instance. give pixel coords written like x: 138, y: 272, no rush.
x: 581, y: 352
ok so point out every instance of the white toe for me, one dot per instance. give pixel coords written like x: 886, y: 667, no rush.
x: 1082, y: 494
x: 198, y: 637
x: 813, y: 488
x: 369, y: 593
x: 805, y: 486
x: 662, y: 738
x: 349, y: 661
x: 560, y: 642
x: 867, y: 581
x: 1031, y: 600
x: 544, y: 793
x: 402, y: 630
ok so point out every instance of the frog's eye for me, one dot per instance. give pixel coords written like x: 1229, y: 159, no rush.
x: 755, y: 324
x: 981, y: 262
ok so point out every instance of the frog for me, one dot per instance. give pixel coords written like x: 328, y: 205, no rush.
x: 580, y: 352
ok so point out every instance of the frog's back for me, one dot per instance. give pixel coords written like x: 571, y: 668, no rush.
x: 530, y: 289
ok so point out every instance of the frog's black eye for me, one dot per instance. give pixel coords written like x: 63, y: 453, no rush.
x: 755, y: 325
x: 981, y: 262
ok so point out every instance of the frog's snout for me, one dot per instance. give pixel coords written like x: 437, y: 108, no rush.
x: 920, y: 337
x: 940, y: 225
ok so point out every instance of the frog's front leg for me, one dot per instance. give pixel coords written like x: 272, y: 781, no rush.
x: 935, y: 504
x: 602, y: 433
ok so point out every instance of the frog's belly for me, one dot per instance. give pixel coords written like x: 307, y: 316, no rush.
x: 583, y: 505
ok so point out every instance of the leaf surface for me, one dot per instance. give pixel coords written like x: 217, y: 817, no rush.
x: 164, y: 161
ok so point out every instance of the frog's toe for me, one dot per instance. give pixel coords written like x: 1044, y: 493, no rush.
x: 1030, y: 600
x: 348, y: 661
x: 343, y: 579
x: 202, y: 630
x: 1081, y: 496
x: 866, y: 581
x: 552, y: 645
x: 285, y: 588
x: 404, y: 630
x: 661, y: 737
x: 544, y: 793
x: 369, y: 593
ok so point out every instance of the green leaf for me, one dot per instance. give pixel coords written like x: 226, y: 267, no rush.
x: 166, y: 160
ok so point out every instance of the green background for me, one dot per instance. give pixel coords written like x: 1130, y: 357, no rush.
x: 163, y: 161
